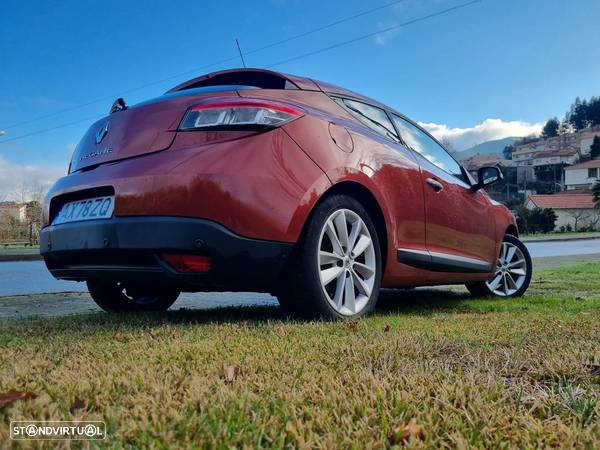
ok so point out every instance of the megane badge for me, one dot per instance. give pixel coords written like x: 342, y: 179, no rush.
x: 103, y: 131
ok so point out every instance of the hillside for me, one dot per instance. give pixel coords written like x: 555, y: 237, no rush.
x: 487, y: 148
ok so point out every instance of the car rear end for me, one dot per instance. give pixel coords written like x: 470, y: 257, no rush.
x: 199, y: 189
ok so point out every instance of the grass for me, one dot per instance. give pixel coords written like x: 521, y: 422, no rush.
x: 557, y: 235
x: 521, y: 373
x: 12, y: 248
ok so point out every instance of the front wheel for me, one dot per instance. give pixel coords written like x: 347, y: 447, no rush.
x: 117, y: 297
x: 336, y: 271
x: 513, y: 272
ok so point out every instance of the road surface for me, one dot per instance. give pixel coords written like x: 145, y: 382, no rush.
x: 563, y: 248
x: 31, y: 277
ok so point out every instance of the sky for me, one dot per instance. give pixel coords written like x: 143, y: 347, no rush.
x: 492, y: 69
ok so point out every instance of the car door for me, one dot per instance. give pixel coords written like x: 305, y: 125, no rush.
x: 394, y: 170
x: 459, y: 230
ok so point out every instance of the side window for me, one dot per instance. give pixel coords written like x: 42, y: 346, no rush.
x: 421, y: 143
x: 373, y: 117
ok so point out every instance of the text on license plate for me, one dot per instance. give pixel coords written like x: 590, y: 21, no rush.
x: 87, y: 209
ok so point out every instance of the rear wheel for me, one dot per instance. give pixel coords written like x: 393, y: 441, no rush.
x: 115, y: 297
x: 513, y: 272
x: 336, y: 272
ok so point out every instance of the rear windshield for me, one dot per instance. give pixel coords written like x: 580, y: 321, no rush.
x: 194, y: 91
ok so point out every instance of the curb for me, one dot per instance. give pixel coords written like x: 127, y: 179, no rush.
x: 22, y: 257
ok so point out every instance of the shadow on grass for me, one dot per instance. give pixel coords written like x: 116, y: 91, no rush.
x: 416, y: 302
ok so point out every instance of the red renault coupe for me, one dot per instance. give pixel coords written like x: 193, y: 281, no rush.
x: 253, y: 180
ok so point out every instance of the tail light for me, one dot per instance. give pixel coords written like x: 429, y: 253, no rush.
x: 238, y: 114
x: 187, y: 263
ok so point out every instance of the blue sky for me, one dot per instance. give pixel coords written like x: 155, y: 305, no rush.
x: 511, y: 60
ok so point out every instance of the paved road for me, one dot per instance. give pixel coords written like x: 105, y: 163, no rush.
x: 31, y: 277
x: 564, y: 248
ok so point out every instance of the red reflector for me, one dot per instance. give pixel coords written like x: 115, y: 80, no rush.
x: 187, y: 263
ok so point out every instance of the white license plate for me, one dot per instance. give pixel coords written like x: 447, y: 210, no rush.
x: 88, y: 209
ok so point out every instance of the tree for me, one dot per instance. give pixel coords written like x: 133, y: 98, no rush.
x: 595, y: 148
x: 551, y: 128
x: 578, y: 216
x: 584, y: 113
x: 508, y: 151
x: 536, y: 220
x: 596, y: 193
x: 566, y: 127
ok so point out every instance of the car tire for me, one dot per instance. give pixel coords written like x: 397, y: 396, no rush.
x: 116, y: 297
x: 512, y: 275
x: 335, y: 271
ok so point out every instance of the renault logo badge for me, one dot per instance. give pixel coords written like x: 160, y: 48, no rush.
x: 101, y: 133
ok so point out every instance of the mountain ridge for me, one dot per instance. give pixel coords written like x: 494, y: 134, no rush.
x: 493, y: 147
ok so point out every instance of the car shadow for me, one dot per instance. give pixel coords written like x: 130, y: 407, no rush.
x: 422, y: 301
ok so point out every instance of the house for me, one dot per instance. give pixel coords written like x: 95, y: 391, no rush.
x: 583, y: 175
x: 570, y: 146
x: 572, y: 209
x: 477, y: 161
x: 17, y: 211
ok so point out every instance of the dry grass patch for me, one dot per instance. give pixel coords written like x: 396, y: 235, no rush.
x: 467, y: 372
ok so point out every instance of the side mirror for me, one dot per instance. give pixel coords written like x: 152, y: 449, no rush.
x: 487, y: 176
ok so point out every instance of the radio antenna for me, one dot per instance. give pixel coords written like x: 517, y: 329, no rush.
x: 240, y: 50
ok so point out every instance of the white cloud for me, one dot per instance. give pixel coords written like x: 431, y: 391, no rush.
x: 488, y: 130
x: 15, y: 178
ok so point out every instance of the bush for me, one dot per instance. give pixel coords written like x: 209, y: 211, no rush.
x: 537, y: 220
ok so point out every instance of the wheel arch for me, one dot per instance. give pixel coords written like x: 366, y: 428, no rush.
x: 512, y: 230
x: 368, y: 200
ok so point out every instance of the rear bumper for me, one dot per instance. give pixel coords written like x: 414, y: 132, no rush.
x: 127, y: 249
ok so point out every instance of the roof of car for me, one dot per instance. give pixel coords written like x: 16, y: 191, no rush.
x: 303, y: 83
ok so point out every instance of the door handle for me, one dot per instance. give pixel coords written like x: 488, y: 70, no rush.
x: 436, y: 185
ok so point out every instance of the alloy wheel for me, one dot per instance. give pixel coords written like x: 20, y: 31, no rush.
x: 511, y: 271
x: 346, y: 262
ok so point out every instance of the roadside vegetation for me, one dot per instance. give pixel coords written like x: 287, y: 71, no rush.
x: 557, y: 235
x: 430, y: 368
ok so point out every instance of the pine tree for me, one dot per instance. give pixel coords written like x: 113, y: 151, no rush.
x: 551, y: 128
x: 596, y: 193
x: 595, y: 148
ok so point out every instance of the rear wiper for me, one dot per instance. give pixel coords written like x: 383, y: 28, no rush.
x: 118, y: 105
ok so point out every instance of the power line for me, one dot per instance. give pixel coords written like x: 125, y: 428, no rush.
x: 152, y: 83
x: 33, y: 133
x: 295, y: 58
x: 324, y: 27
x: 375, y: 33
x: 233, y: 58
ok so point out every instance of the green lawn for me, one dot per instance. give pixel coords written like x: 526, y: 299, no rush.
x: 519, y: 373
x: 12, y: 248
x: 565, y: 235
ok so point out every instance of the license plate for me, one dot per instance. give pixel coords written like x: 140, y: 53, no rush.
x: 88, y: 209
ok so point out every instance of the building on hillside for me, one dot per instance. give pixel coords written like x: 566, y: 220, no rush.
x: 16, y: 211
x: 583, y: 175
x: 572, y: 209
x: 570, y: 147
